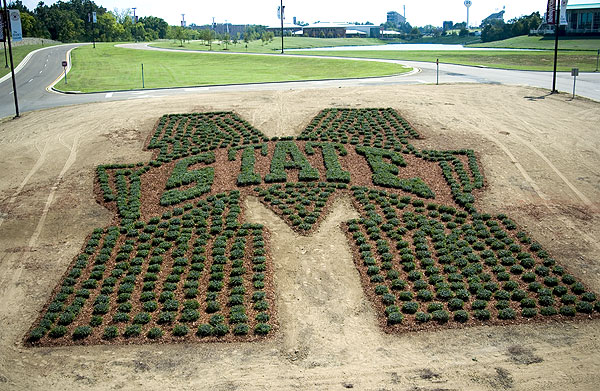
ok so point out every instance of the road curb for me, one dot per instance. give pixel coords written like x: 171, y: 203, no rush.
x: 51, y: 88
x: 24, y: 62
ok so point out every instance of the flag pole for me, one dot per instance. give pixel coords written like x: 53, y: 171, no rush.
x: 556, y: 27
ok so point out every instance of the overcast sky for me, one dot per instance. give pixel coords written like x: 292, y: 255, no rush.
x: 418, y: 12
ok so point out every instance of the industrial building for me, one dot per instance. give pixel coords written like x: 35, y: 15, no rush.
x: 395, y: 18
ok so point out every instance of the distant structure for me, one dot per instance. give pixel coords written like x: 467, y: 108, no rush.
x: 395, y: 18
x: 493, y: 17
x: 582, y: 19
x: 332, y: 30
x: 183, y: 23
x: 447, y: 25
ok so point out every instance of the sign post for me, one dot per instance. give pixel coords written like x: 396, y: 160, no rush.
x: 64, y: 64
x: 597, y: 60
x: 574, y: 73
x: 437, y: 77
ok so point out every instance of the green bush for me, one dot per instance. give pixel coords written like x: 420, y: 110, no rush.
x: 395, y: 318
x: 133, y: 330
x: 110, y: 332
x: 440, y: 316
x: 180, y: 330
x: 154, y: 333
x: 506, y: 313
x: 461, y: 316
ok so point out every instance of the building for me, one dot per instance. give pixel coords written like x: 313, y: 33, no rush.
x: 583, y: 19
x: 493, y: 17
x: 341, y: 30
x: 395, y: 18
x: 325, y: 30
x: 289, y: 29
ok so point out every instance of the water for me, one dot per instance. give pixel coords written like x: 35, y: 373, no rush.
x: 407, y: 46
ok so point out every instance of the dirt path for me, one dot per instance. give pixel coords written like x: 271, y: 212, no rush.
x: 540, y: 156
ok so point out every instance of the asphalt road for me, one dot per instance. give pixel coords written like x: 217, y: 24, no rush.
x: 44, y: 67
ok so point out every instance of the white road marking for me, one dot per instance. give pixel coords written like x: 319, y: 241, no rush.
x: 109, y: 95
x: 10, y: 93
x: 30, y: 80
x: 41, y: 72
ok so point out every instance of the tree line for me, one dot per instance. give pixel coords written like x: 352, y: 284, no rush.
x: 71, y: 21
x: 499, y: 30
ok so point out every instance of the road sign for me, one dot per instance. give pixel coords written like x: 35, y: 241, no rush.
x: 468, y: 3
x: 575, y: 72
x: 15, y: 25
x: 64, y: 63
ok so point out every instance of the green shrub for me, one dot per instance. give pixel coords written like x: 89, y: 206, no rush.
x: 205, y: 330
x: 548, y: 311
x: 180, y: 330
x: 422, y: 317
x: 154, y: 333
x: 110, y: 332
x: 410, y: 307
x: 262, y: 329
x: 133, y: 330
x: 482, y: 314
x: 440, y: 316
x: 395, y: 318
x: 506, y: 313
x: 568, y: 310
x: 461, y: 316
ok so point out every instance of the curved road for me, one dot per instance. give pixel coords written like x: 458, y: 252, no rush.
x: 44, y: 67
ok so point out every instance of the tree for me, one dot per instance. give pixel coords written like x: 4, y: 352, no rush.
x: 178, y: 34
x: 157, y: 25
x: 226, y: 38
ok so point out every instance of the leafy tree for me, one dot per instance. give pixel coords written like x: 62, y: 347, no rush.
x: 158, y: 25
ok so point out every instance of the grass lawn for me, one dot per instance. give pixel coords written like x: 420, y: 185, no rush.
x: 273, y: 46
x: 539, y: 61
x: 111, y: 68
x: 19, y: 54
x: 534, y: 42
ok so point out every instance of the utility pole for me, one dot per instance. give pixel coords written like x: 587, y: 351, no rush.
x: 12, y: 65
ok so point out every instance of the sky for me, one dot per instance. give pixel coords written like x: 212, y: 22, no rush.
x: 418, y: 12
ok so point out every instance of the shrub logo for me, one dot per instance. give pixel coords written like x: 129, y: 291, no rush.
x: 180, y: 263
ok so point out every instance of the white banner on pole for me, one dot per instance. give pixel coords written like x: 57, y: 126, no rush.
x: 15, y: 25
x: 563, y: 12
x: 94, y: 20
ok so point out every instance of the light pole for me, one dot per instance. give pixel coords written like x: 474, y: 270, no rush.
x: 281, y: 17
x: 12, y: 64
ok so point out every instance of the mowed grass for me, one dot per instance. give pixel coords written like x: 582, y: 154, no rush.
x: 273, y: 46
x: 544, y: 43
x: 537, y: 61
x: 19, y: 53
x: 109, y: 68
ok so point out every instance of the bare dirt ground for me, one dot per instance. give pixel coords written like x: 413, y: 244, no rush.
x: 541, y: 158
